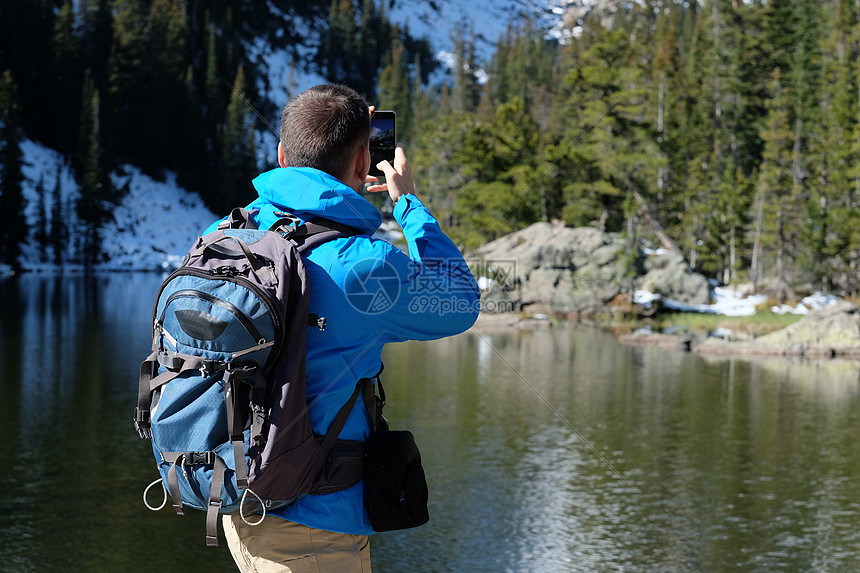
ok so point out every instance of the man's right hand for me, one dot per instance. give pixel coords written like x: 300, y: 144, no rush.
x: 398, y: 177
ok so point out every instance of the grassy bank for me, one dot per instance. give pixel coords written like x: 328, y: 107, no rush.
x: 755, y: 325
x: 696, y: 324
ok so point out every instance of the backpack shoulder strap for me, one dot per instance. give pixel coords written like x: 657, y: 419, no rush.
x: 375, y: 403
x: 363, y: 387
x: 313, y: 233
x: 239, y: 218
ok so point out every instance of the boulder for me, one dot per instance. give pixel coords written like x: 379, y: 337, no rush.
x: 833, y: 330
x: 669, y: 275
x: 836, y: 326
x: 574, y: 270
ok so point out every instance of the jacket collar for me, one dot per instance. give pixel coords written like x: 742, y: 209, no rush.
x: 309, y: 193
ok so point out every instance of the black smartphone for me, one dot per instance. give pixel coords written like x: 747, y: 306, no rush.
x: 383, y: 139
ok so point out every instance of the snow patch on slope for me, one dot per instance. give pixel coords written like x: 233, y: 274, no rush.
x: 155, y: 225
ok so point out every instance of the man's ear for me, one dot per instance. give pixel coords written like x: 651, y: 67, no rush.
x: 361, y: 163
x: 282, y: 161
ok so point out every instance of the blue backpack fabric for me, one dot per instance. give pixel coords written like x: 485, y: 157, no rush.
x: 222, y: 394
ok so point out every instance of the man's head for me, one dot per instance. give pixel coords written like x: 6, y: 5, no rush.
x: 328, y: 128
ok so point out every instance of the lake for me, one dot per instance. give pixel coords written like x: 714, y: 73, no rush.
x: 549, y: 450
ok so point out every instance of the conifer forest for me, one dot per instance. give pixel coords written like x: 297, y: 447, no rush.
x: 726, y: 129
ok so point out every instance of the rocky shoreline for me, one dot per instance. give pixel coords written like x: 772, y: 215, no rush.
x: 829, y: 332
x: 583, y: 274
x: 509, y: 320
x: 558, y: 270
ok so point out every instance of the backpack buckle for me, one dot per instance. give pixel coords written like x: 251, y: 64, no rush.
x: 316, y: 320
x: 169, y: 361
x: 224, y: 271
x: 286, y: 225
x: 142, y: 423
x: 258, y: 422
x: 239, y: 372
x: 208, y: 367
x: 199, y: 458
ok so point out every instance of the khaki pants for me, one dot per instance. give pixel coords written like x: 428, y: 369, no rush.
x: 281, y: 546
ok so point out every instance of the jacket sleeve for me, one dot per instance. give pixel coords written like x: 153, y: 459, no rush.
x: 437, y: 295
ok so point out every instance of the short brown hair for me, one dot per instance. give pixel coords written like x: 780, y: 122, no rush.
x: 323, y: 127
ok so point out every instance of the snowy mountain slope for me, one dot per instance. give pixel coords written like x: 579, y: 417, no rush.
x: 435, y: 20
x: 46, y: 172
x: 488, y: 19
x: 156, y: 221
x: 151, y: 229
x: 155, y: 224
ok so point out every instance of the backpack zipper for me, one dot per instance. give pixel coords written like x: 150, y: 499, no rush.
x: 239, y: 280
x: 193, y: 293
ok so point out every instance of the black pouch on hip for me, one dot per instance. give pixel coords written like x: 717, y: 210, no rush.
x: 395, y: 489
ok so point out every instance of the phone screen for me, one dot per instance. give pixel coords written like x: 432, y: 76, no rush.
x: 382, y: 139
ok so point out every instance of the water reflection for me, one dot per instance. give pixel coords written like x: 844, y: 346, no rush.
x: 72, y: 468
x: 725, y: 464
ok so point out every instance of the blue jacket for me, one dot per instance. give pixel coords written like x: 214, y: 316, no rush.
x: 370, y: 293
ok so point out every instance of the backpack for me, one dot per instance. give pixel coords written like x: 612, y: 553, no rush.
x: 222, y: 396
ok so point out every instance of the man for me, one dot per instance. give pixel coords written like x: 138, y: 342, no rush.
x: 370, y: 292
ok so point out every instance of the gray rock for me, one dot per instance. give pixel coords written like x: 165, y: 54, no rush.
x: 570, y: 270
x: 669, y: 275
x: 830, y: 331
x: 835, y: 325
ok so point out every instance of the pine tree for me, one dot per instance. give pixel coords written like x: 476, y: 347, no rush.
x: 26, y: 30
x: 372, y: 44
x: 59, y: 232
x: 614, y: 154
x: 705, y: 135
x: 747, y: 88
x: 74, y: 252
x: 466, y: 92
x: 166, y: 38
x: 500, y: 160
x: 213, y: 74
x: 230, y: 40
x: 831, y: 231
x: 13, y: 229
x: 340, y: 45
x: 130, y: 115
x: 40, y: 233
x: 723, y: 222
x: 717, y: 149
x: 67, y: 81
x: 420, y: 101
x: 237, y: 148
x: 439, y: 149
x: 803, y: 80
x: 776, y: 208
x: 669, y: 116
x: 193, y: 135
x: 93, y: 178
x: 394, y: 89
x: 521, y: 65
x: 97, y: 39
